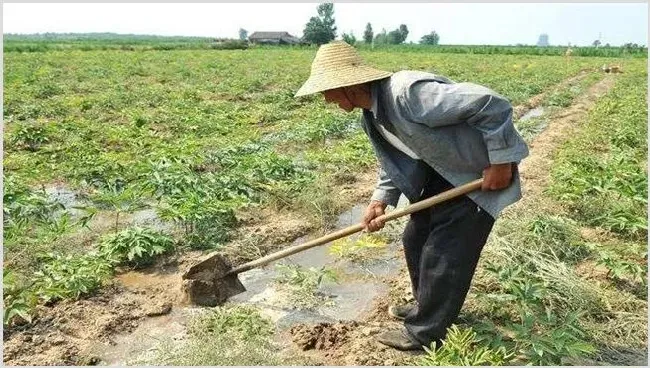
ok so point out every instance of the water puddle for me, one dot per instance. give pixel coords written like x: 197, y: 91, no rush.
x: 350, y: 297
x: 68, y: 198
x: 149, y: 218
x: 533, y: 113
x: 145, y: 339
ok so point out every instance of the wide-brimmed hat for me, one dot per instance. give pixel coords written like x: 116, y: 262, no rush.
x: 338, y: 64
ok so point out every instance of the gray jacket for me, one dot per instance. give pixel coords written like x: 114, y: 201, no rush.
x: 458, y: 129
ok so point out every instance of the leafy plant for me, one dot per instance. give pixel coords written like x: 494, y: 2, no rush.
x: 302, y: 285
x: 545, y: 339
x: 135, y: 245
x: 71, y: 276
x: 462, y: 348
x: 17, y: 301
x: 120, y: 198
x: 30, y: 136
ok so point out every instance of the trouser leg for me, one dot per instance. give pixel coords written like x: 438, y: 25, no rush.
x: 447, y: 261
x: 418, y: 228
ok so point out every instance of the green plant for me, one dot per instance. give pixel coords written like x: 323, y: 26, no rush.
x: 135, y: 245
x: 17, y: 301
x: 302, y: 285
x: 619, y: 269
x: 358, y: 250
x: 240, y: 321
x: 120, y: 198
x: 70, y: 276
x: 224, y: 336
x: 546, y: 339
x: 462, y: 348
x: 30, y: 136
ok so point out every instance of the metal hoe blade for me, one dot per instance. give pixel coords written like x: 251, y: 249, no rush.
x: 208, y: 282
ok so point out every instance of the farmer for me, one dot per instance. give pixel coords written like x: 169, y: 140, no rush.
x: 429, y: 134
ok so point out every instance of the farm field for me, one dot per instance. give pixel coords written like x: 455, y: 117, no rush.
x: 122, y: 168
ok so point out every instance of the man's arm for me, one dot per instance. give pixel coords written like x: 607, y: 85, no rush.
x: 385, y: 190
x: 385, y: 194
x: 436, y: 104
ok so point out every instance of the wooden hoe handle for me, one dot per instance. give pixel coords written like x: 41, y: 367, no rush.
x: 442, y: 197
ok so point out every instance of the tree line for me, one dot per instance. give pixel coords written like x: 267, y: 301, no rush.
x: 322, y: 29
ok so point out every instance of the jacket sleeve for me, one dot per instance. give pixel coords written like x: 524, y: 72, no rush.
x: 385, y: 190
x: 437, y: 104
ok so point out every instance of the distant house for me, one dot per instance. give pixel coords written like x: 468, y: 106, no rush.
x: 273, y: 38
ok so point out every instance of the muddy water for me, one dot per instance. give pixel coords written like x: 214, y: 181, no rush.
x: 149, y: 218
x: 68, y: 198
x: 349, y: 298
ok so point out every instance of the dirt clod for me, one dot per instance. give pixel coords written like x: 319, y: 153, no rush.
x: 159, y: 309
x: 322, y: 336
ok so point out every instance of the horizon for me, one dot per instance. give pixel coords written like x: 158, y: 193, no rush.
x: 577, y: 24
x: 338, y: 38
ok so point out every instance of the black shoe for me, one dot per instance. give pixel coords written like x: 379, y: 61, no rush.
x: 400, y: 311
x: 399, y: 339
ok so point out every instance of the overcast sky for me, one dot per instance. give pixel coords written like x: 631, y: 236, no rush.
x: 578, y: 24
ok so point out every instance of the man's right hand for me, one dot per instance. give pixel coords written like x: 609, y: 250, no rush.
x: 370, y: 221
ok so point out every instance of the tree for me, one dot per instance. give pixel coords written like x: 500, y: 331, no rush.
x: 596, y: 43
x: 349, y: 38
x: 243, y: 34
x: 381, y: 37
x: 430, y: 39
x: 321, y: 29
x: 398, y: 36
x: 368, y: 34
x: 404, y: 32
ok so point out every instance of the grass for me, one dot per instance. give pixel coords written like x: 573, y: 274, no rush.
x: 224, y: 336
x: 299, y: 286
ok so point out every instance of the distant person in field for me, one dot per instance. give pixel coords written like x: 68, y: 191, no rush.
x: 429, y: 135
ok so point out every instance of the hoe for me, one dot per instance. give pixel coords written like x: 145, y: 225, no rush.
x: 212, y: 281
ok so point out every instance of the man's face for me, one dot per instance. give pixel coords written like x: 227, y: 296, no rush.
x: 339, y: 97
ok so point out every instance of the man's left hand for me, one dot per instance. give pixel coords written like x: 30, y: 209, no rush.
x: 497, y: 176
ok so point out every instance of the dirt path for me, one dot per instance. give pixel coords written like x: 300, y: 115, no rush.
x: 340, y: 344
x: 535, y: 168
x: 69, y: 332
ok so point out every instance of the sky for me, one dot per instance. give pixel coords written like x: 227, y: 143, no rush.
x: 495, y: 24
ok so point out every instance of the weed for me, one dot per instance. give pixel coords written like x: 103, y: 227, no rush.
x: 359, y: 250
x: 302, y: 285
x: 229, y: 335
x: 17, y: 301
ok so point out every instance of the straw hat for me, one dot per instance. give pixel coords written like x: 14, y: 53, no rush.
x: 338, y: 64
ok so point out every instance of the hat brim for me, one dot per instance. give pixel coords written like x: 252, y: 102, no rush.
x: 342, y: 77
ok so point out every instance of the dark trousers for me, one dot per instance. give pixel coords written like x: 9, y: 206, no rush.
x: 442, y: 245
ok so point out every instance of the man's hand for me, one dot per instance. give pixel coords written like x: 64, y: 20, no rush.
x: 497, y: 176
x: 374, y: 210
